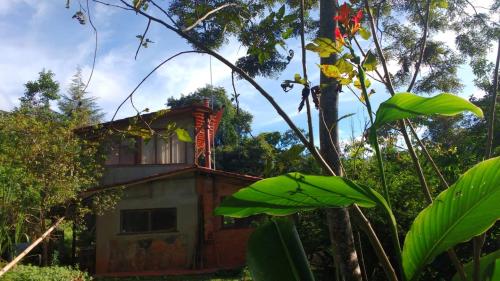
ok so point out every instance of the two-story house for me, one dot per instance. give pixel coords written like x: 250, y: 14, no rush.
x: 164, y: 222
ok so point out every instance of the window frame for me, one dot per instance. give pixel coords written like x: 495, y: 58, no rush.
x: 149, y: 228
x: 170, y: 151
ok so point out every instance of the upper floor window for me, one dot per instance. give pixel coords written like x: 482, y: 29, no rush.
x: 163, y: 150
x: 122, y: 152
x: 156, y: 150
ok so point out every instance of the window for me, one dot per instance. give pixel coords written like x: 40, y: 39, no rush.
x: 148, y: 220
x: 122, y: 152
x: 159, y: 150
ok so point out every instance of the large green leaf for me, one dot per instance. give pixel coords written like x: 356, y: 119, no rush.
x: 293, y: 192
x: 407, y: 105
x: 276, y: 253
x: 466, y: 209
x: 486, y: 262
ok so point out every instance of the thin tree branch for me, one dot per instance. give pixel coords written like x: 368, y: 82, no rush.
x: 428, y: 156
x: 422, y: 47
x: 207, y: 15
x: 95, y: 47
x: 164, y: 12
x: 235, y: 94
x: 365, y: 225
x: 304, y: 71
x: 142, y: 39
x: 112, y: 5
x: 147, y: 76
x: 494, y: 95
x: 331, y: 140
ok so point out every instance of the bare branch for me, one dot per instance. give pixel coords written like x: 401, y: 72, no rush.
x: 365, y: 225
x: 304, y: 71
x: 164, y: 12
x: 95, y: 47
x: 142, y: 39
x: 147, y: 76
x: 235, y: 94
x: 207, y: 15
x: 422, y: 47
x: 494, y: 94
x: 112, y: 5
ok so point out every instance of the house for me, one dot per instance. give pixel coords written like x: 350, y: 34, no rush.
x: 164, y: 222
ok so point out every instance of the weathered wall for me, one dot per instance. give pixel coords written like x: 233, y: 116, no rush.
x: 116, y: 252
x: 223, y: 248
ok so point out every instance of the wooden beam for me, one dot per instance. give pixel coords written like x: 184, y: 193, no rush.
x: 30, y: 247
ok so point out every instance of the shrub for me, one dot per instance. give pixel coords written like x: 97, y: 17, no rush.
x: 52, y: 273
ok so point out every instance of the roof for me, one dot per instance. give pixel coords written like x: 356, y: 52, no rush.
x: 148, y: 116
x: 170, y: 174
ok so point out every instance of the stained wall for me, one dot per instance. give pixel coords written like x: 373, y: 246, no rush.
x: 119, y: 252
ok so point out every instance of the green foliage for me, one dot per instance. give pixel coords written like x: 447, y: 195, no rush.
x: 466, y: 209
x: 39, y: 93
x: 486, y: 262
x: 43, y: 165
x: 293, y: 192
x: 276, y: 253
x: 53, y: 273
x: 407, y: 105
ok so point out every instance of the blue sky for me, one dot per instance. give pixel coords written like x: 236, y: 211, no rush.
x: 41, y: 34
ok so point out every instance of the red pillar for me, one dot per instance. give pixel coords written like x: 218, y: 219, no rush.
x: 208, y: 152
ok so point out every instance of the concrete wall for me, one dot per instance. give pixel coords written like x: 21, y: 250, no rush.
x: 117, y: 252
x: 124, y: 173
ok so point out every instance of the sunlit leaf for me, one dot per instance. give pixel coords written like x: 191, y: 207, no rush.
x: 466, y: 209
x: 344, y: 66
x: 325, y: 47
x: 183, y: 135
x: 293, y: 192
x: 330, y: 71
x: 365, y: 34
x: 407, y: 105
x: 298, y: 79
x: 357, y: 83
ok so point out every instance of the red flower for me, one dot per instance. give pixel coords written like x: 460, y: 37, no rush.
x: 338, y: 36
x: 356, y: 20
x: 343, y: 16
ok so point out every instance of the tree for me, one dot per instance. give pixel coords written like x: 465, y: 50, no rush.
x: 77, y: 106
x: 44, y: 164
x: 39, y: 93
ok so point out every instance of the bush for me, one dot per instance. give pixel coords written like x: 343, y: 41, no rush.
x: 52, y: 273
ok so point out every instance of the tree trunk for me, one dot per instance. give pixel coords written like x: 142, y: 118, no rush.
x: 341, y: 236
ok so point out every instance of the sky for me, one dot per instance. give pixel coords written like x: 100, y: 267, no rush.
x: 40, y: 35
